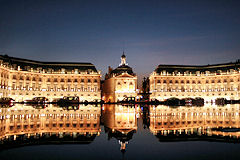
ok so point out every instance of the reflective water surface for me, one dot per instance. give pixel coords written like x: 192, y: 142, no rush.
x: 119, y: 132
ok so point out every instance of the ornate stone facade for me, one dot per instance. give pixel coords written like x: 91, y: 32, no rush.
x: 26, y: 120
x: 209, y: 82
x: 119, y: 83
x: 120, y: 122
x: 23, y: 79
x: 165, y: 120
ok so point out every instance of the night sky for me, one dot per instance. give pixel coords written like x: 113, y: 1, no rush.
x: 151, y: 32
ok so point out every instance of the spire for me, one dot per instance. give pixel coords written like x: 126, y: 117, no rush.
x: 123, y: 59
x: 123, y: 55
x: 123, y: 145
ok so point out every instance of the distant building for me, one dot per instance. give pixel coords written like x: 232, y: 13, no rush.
x: 23, y: 79
x: 119, y: 83
x: 209, y: 81
x: 144, y: 94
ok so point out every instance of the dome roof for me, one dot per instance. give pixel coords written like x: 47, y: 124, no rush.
x: 122, y: 69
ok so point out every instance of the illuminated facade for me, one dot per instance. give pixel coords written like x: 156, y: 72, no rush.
x: 26, y: 120
x: 120, y: 118
x: 119, y: 83
x: 120, y: 122
x: 209, y: 82
x: 23, y: 79
x: 166, y: 121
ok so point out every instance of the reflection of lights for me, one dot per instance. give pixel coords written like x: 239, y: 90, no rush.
x: 124, y: 91
x: 137, y: 115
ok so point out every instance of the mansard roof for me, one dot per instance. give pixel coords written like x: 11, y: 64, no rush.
x: 202, y: 68
x: 68, y: 66
x: 123, y: 69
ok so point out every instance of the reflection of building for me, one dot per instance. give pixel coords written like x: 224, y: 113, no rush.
x: 187, y: 121
x: 209, y: 82
x: 24, y: 121
x: 24, y: 79
x: 120, y: 82
x: 120, y: 122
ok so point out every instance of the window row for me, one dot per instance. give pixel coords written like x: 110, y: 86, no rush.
x: 54, y: 125
x: 56, y: 79
x: 194, y: 82
x: 196, y: 90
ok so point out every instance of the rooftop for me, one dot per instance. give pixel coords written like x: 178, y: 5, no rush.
x: 202, y: 68
x: 24, y: 63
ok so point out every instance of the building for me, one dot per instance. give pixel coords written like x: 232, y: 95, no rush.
x: 120, y: 122
x: 49, y: 124
x: 119, y: 83
x: 182, y: 122
x: 209, y: 81
x: 23, y: 79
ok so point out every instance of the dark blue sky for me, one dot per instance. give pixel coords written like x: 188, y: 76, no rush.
x: 151, y: 32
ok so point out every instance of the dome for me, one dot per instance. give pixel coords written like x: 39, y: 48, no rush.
x: 122, y: 69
